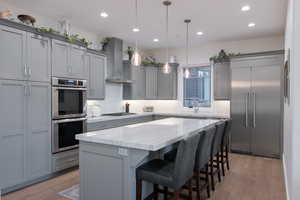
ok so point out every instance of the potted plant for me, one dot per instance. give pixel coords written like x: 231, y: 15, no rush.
x: 105, y: 42
x: 129, y: 51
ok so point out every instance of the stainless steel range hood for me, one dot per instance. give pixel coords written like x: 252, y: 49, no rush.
x: 114, y: 54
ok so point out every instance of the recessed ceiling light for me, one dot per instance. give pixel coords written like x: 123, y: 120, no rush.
x: 103, y: 14
x: 251, y: 25
x: 245, y: 8
x: 136, y: 29
x: 155, y: 40
x: 199, y: 33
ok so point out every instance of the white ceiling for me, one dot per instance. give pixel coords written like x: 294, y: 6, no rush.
x: 219, y: 19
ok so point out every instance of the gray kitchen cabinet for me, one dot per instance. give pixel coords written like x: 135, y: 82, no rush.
x: 167, y: 83
x: 38, y: 157
x: 38, y: 58
x: 151, y: 82
x: 13, y: 129
x: 137, y: 89
x: 96, y: 76
x: 222, y: 81
x: 60, y: 59
x: 68, y: 60
x: 13, y: 54
x: 25, y: 135
x: 76, y: 62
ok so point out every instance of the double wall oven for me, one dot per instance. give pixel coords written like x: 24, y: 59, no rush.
x: 68, y: 112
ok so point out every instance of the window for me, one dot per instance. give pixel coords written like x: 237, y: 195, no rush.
x: 197, y: 88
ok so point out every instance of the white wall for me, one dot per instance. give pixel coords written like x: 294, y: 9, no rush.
x: 200, y: 55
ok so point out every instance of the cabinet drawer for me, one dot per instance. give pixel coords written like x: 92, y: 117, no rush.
x: 65, y: 160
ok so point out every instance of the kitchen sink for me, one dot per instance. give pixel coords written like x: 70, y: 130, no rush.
x: 118, y: 114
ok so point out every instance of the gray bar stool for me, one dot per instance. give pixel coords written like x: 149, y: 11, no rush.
x: 170, y: 174
x: 225, y: 146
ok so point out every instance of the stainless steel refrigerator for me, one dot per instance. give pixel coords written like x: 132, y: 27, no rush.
x: 256, y: 104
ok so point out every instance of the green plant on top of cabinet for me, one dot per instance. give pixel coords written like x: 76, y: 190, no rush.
x: 24, y: 56
x: 25, y: 131
x: 222, y: 81
x: 167, y: 83
x: 68, y: 60
x: 96, y: 76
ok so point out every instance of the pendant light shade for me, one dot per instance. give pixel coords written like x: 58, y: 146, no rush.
x: 167, y: 67
x: 186, y: 70
x: 136, y: 57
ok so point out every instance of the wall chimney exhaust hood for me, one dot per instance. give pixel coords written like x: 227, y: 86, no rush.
x: 114, y: 55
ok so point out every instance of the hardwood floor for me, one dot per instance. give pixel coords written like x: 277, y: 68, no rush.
x: 250, y: 178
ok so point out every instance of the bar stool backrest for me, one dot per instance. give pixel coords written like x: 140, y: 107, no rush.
x: 185, y: 160
x: 204, y: 148
x: 220, y: 127
x: 227, y: 131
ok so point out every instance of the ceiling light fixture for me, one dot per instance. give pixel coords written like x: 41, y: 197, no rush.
x: 155, y: 40
x: 186, y: 70
x: 167, y: 68
x: 199, y: 33
x: 136, y: 57
x: 103, y: 14
x: 245, y: 8
x: 251, y: 25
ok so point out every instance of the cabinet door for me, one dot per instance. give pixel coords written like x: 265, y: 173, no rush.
x: 60, y: 54
x: 12, y: 54
x: 96, y: 77
x: 76, y: 62
x: 38, y: 58
x: 165, y: 83
x: 151, y: 82
x: 222, y: 81
x: 139, y: 82
x: 39, y: 130
x: 12, y: 132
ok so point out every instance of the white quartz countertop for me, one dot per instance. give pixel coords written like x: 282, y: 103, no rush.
x: 109, y: 118
x: 150, y: 136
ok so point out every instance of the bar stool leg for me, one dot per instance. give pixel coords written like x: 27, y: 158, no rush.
x: 177, y: 194
x: 207, y: 180
x: 190, y: 189
x: 165, y: 193
x: 218, y: 166
x: 227, y: 156
x: 155, y: 188
x: 212, y: 173
x: 198, y: 184
x: 222, y: 161
x: 138, y: 189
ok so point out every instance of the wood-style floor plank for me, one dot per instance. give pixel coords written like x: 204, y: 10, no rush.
x: 250, y: 178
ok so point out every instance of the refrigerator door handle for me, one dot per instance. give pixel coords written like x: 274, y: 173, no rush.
x: 254, y: 110
x: 246, y: 110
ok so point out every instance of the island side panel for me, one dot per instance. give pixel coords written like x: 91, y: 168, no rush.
x: 108, y: 172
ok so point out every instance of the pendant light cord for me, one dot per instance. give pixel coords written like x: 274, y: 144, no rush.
x: 187, y: 44
x: 136, y: 23
x: 167, y: 32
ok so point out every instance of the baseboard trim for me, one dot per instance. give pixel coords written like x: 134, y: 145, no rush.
x: 285, y: 177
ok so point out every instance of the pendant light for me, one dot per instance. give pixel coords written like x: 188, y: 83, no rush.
x: 167, y: 68
x: 186, y: 70
x: 136, y: 57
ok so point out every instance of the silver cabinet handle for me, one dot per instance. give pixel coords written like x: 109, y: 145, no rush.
x: 254, y: 110
x: 29, y: 90
x: 25, y: 90
x: 29, y: 71
x: 25, y: 70
x: 246, y: 110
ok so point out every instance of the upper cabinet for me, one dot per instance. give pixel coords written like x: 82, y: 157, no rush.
x: 151, y: 82
x: 68, y: 60
x: 136, y: 89
x: 96, y: 76
x: 167, y: 83
x: 24, y: 56
x: 222, y: 81
x: 38, y: 58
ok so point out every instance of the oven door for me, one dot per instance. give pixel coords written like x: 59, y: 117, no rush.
x: 64, y: 132
x: 68, y: 102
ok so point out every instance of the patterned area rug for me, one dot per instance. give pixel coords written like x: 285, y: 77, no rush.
x: 71, y: 193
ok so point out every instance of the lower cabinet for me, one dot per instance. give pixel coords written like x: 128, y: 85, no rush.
x: 25, y: 131
x: 96, y: 76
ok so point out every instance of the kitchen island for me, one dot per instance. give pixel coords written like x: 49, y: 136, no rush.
x: 108, y: 158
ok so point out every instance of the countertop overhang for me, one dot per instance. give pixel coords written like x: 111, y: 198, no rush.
x: 149, y: 136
